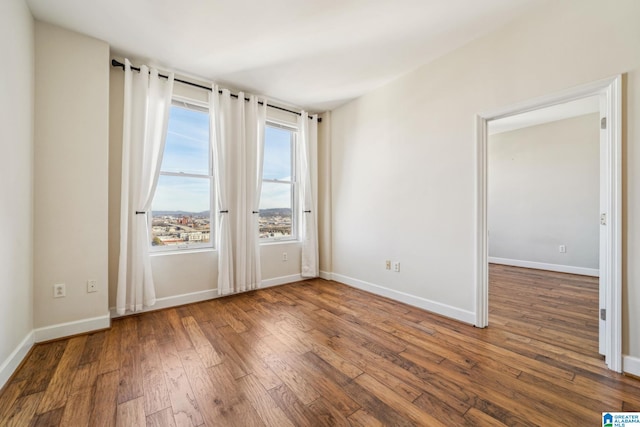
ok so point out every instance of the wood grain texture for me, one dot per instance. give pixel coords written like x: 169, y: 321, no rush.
x: 104, y: 408
x: 131, y: 413
x: 183, y: 401
x: 58, y: 389
x: 22, y: 412
x: 268, y: 410
x: 156, y: 394
x: 162, y: 418
x: 77, y: 411
x: 319, y: 353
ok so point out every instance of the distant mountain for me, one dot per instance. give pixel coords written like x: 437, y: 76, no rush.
x: 275, y: 212
x: 263, y: 213
x: 181, y: 213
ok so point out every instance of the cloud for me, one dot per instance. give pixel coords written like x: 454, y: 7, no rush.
x: 275, y: 195
x: 177, y: 193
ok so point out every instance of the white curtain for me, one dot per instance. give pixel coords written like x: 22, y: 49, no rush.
x: 308, y: 128
x: 255, y: 120
x: 237, y: 138
x: 147, y: 99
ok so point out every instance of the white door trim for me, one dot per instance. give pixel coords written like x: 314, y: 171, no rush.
x: 611, y: 87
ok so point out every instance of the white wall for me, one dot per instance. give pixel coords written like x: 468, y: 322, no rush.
x: 403, y: 157
x: 543, y: 191
x: 71, y: 171
x: 184, y: 276
x: 16, y: 184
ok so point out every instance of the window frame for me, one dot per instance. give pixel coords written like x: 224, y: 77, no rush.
x: 294, y: 236
x: 203, y: 107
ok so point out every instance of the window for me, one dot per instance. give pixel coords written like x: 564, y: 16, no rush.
x: 278, y: 217
x: 182, y: 204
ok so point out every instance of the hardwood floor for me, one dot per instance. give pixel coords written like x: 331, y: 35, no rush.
x: 321, y: 353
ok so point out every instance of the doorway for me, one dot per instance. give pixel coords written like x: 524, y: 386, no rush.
x: 609, y: 91
x: 543, y: 224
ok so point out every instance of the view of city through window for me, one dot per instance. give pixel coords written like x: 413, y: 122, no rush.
x: 183, y: 201
x: 276, y: 200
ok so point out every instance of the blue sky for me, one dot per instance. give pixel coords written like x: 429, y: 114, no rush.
x: 277, y: 161
x: 187, y: 146
x: 277, y: 154
x: 186, y: 151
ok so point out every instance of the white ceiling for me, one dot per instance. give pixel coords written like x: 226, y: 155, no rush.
x: 553, y: 113
x: 312, y: 54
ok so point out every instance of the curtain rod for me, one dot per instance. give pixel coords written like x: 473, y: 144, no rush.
x: 118, y: 64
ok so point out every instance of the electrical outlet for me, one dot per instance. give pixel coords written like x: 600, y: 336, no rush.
x: 388, y: 264
x: 562, y: 249
x: 284, y: 256
x: 92, y: 286
x: 59, y: 291
x: 396, y: 266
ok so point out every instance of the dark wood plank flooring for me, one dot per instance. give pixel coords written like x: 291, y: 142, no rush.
x: 320, y: 353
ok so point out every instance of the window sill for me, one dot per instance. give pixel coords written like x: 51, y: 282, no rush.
x: 181, y: 251
x: 280, y: 242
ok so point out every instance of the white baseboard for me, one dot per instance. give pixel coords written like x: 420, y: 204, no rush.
x: 173, y: 301
x: 432, y: 306
x: 9, y: 366
x: 631, y: 365
x: 545, y: 266
x: 326, y: 275
x: 283, y: 280
x: 182, y: 299
x: 62, y: 330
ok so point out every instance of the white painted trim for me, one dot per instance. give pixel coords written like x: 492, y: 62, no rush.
x: 182, y: 299
x: 631, y: 365
x: 613, y: 343
x: 173, y: 301
x: 14, y: 360
x: 283, y: 280
x: 546, y: 266
x: 567, y: 95
x: 62, y: 330
x: 612, y: 271
x: 482, y: 234
x: 416, y: 301
x: 326, y: 275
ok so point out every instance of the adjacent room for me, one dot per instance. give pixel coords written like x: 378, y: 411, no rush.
x: 410, y: 212
x: 544, y: 223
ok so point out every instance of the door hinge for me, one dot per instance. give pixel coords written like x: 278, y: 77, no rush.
x: 603, y: 314
x: 603, y: 123
x: 603, y: 219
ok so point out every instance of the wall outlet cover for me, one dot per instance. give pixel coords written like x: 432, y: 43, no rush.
x: 59, y: 290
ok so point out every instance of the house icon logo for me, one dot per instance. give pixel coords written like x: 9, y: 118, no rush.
x: 607, y: 420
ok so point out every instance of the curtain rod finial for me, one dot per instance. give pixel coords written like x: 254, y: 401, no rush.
x: 116, y: 63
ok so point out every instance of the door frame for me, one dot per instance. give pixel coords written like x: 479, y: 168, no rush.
x: 611, y: 88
